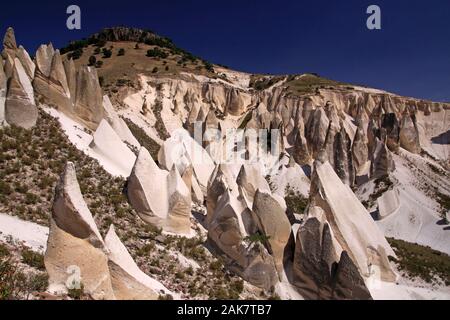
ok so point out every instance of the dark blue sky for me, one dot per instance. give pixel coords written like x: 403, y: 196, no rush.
x: 409, y: 56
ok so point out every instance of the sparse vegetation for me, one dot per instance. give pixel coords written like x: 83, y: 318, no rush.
x: 16, y: 283
x: 29, y: 186
x: 92, y: 60
x: 33, y: 259
x: 12, y: 281
x: 76, y: 54
x: 309, y: 84
x: 76, y: 293
x: 261, y: 83
x: 444, y: 202
x: 382, y: 185
x: 246, y: 120
x: 101, y: 81
x: 159, y: 125
x: 295, y: 202
x: 421, y: 262
x: 4, y: 252
x: 257, y: 237
x: 208, y: 66
x: 107, y: 53
x: 157, y: 53
x: 143, y: 139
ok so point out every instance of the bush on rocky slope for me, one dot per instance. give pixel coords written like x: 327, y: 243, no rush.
x: 30, y: 165
x: 144, y: 140
x: 421, y: 262
x: 296, y: 203
x: 17, y: 282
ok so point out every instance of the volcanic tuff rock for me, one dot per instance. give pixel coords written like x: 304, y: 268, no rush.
x: 360, y: 151
x: 3, y: 88
x: 183, y: 151
x: 118, y: 124
x: 355, y: 133
x: 381, y: 160
x: 351, y: 224
x: 76, y: 249
x: 388, y: 203
x: 44, y: 58
x: 50, y: 80
x: 71, y: 75
x: 160, y: 197
x: 9, y: 41
x: 75, y: 242
x: 20, y: 106
x: 250, y: 181
x: 390, y: 131
x: 409, y: 134
x: 247, y: 225
x: 227, y: 234
x: 272, y: 221
x: 88, y: 98
x: 26, y: 61
x: 76, y: 93
x: 9, y: 51
x: 107, y: 145
x: 128, y: 281
x: 320, y: 271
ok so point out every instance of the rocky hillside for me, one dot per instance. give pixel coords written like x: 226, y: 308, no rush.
x: 290, y: 193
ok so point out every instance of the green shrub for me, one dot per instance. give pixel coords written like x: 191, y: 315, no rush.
x: 13, y: 283
x: 157, y: 53
x: 208, y: 66
x: 257, y: 237
x: 144, y: 140
x: 4, y: 252
x: 146, y: 250
x: 76, y: 54
x: 38, y: 282
x: 31, y: 198
x: 33, y: 259
x: 216, y: 265
x: 76, y: 293
x: 5, y: 189
x: 237, y: 286
x: 295, y: 202
x: 107, y: 53
x: 92, y: 60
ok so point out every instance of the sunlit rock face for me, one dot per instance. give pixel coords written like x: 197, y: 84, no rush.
x: 20, y: 105
x: 166, y: 204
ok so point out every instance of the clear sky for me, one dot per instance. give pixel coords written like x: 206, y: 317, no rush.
x: 409, y: 56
